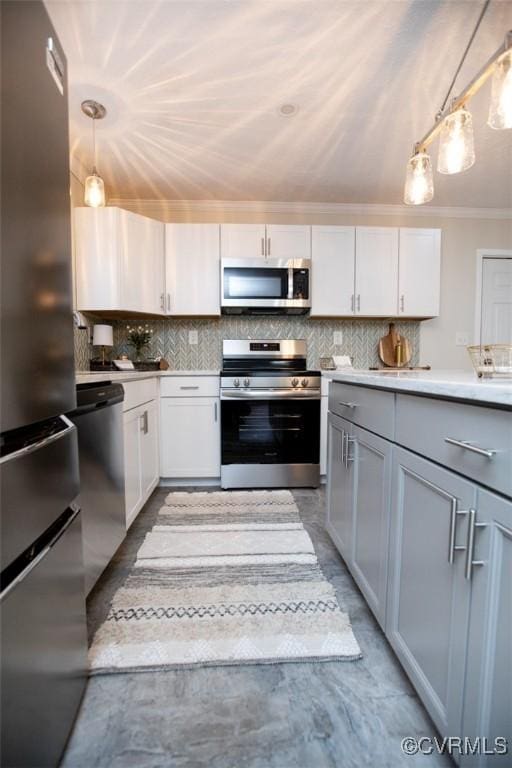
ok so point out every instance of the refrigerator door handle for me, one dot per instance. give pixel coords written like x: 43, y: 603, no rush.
x: 40, y: 443
x: 75, y: 511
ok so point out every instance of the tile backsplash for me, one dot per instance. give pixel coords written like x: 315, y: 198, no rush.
x: 171, y: 338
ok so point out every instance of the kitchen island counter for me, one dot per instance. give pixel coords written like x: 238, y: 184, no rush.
x: 90, y: 377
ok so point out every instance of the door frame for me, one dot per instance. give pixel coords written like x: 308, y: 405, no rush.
x: 481, y: 254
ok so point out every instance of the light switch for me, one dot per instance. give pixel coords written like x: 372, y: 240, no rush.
x: 461, y: 339
x: 337, y: 338
x: 192, y: 337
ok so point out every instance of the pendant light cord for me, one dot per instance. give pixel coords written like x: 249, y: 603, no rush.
x: 94, y: 143
x: 466, y: 51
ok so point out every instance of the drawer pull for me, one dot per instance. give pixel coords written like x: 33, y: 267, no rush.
x: 347, y: 405
x: 470, y: 549
x: 194, y: 387
x: 488, y: 452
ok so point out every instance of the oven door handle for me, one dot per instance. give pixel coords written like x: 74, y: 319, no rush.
x: 272, y: 394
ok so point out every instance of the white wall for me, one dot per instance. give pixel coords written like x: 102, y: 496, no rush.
x: 463, y: 232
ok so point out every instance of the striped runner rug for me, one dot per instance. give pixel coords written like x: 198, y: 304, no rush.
x: 224, y: 577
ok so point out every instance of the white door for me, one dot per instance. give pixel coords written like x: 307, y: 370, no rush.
x: 242, y: 241
x: 190, y: 437
x: 376, y: 271
x: 142, y: 263
x: 496, y: 318
x: 149, y: 449
x: 288, y: 241
x: 132, y: 424
x: 419, y: 272
x: 333, y: 270
x: 192, y: 261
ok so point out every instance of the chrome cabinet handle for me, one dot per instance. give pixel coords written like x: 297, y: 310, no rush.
x: 215, y: 411
x: 348, y: 442
x: 452, y: 547
x: 352, y: 303
x: 162, y: 302
x: 470, y: 549
x: 262, y: 246
x: 194, y: 387
x: 145, y: 423
x: 168, y: 302
x: 342, y: 446
x: 269, y: 246
x: 347, y: 405
x: 358, y: 302
x: 402, y: 303
x: 488, y: 452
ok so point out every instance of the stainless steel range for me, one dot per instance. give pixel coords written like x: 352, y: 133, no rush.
x: 270, y: 415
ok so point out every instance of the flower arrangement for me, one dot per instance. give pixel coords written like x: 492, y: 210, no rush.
x: 139, y: 337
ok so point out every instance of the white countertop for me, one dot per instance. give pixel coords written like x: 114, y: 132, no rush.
x: 85, y: 377
x: 459, y: 385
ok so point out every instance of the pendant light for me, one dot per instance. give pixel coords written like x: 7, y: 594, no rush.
x: 94, y: 194
x: 500, y: 111
x: 419, y: 183
x: 456, y: 143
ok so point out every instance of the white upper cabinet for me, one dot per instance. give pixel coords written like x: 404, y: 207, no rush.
x: 192, y: 269
x: 419, y: 272
x: 333, y: 271
x: 288, y: 241
x: 260, y: 241
x: 376, y: 287
x: 119, y: 261
x: 242, y: 241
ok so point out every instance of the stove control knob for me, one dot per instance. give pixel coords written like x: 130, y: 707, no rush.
x: 295, y: 382
x: 247, y: 382
x: 236, y: 382
x: 304, y: 382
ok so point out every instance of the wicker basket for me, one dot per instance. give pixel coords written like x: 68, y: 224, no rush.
x: 492, y: 359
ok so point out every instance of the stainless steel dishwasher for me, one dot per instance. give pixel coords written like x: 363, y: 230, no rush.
x: 99, y: 422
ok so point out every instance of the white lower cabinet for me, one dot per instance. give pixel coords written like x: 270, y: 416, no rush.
x: 190, y: 437
x: 140, y: 433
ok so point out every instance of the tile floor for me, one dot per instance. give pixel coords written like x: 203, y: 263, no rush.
x: 307, y: 715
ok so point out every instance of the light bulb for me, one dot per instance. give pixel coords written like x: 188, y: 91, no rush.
x: 456, y: 146
x: 419, y: 184
x: 500, y: 110
x: 94, y: 195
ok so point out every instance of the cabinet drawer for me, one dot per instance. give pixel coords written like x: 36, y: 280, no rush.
x: 370, y: 408
x: 138, y: 392
x: 425, y: 424
x: 190, y: 386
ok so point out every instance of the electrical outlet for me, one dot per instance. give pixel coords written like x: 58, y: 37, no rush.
x: 337, y: 338
x: 192, y: 337
x: 461, y: 339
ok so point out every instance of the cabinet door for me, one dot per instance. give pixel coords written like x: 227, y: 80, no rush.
x: 141, y: 263
x: 192, y: 261
x: 288, y: 241
x: 242, y: 241
x: 150, y: 470
x: 372, y: 457
x: 488, y: 693
x: 190, y: 437
x: 376, y: 271
x: 96, y: 241
x: 419, y: 272
x: 333, y: 260
x: 428, y: 600
x: 132, y: 463
x: 340, y: 485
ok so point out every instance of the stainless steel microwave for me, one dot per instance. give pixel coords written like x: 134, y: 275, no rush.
x: 265, y: 286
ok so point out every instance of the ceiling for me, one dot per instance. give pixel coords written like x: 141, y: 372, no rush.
x: 193, y: 90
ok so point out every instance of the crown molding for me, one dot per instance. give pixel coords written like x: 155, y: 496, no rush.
x: 209, y: 207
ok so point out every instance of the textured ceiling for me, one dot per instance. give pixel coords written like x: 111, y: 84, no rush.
x: 193, y: 89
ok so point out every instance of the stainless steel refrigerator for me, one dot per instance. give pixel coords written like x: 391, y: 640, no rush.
x: 42, y: 606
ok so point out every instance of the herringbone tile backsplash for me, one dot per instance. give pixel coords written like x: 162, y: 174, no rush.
x: 171, y: 338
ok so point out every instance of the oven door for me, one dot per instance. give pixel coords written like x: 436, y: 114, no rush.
x: 273, y: 431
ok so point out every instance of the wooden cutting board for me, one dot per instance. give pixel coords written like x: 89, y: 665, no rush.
x: 388, y: 345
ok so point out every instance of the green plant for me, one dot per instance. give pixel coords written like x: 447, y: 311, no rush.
x: 139, y: 337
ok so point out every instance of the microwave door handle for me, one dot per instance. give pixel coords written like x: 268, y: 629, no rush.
x: 290, y: 282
